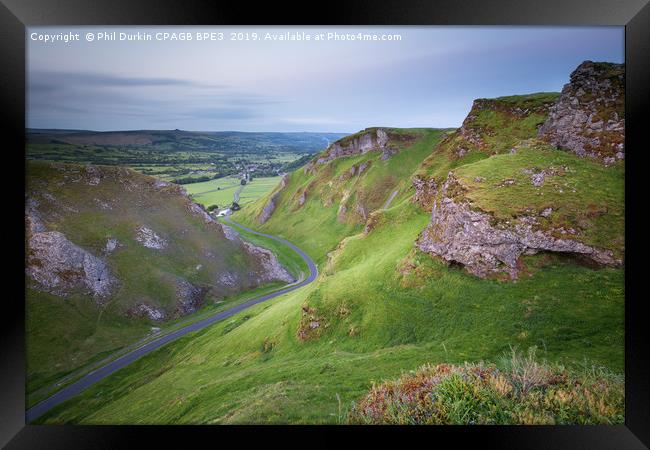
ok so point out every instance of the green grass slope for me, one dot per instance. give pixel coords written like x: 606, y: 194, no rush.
x: 492, y: 127
x: 585, y: 198
x: 67, y: 332
x: 378, y: 314
x: 318, y: 225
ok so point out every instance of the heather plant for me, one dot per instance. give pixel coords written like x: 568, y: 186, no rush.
x: 525, y: 391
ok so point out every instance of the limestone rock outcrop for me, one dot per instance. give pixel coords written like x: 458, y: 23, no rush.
x: 272, y: 269
x: 589, y: 117
x: 59, y: 266
x: 371, y: 140
x: 271, y: 204
x: 459, y: 234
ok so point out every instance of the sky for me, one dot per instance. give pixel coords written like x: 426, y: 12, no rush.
x: 427, y: 78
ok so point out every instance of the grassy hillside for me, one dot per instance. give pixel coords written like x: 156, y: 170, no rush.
x: 93, y: 207
x: 493, y: 126
x: 318, y: 225
x: 585, y: 199
x: 379, y: 314
x: 380, y: 308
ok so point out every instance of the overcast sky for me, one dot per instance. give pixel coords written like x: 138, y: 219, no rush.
x: 427, y: 79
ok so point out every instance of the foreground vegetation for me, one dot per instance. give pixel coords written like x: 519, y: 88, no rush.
x: 526, y: 392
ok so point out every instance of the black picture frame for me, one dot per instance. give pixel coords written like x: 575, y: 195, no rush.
x: 15, y: 15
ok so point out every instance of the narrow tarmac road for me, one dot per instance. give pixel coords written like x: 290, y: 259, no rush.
x: 99, y: 374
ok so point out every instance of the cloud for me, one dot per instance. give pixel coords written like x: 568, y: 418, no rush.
x: 312, y: 120
x: 57, y: 79
x: 225, y: 112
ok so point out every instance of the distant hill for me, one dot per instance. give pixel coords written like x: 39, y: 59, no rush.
x: 174, y: 140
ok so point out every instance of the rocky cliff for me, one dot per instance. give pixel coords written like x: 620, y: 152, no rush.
x: 59, y: 266
x: 272, y: 202
x: 371, y: 139
x: 589, y: 117
x: 461, y: 234
x: 492, y: 127
x: 111, y: 234
x: 498, y: 194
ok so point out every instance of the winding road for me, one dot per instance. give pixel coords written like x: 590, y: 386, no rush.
x: 99, y: 374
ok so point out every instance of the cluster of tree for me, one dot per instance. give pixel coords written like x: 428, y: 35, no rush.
x: 189, y: 180
x: 298, y: 163
x: 266, y: 173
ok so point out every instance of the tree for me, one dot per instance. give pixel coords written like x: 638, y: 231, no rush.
x: 243, y: 181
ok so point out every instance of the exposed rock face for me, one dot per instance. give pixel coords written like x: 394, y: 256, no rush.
x: 188, y: 297
x: 537, y: 177
x: 93, y: 175
x: 150, y: 239
x: 270, y: 206
x: 303, y: 198
x: 229, y: 233
x: 362, y: 167
x: 145, y: 310
x: 362, y: 211
x: 228, y: 279
x: 59, y: 266
x: 372, y: 140
x: 271, y: 268
x: 425, y: 191
x: 268, y: 209
x: 459, y: 234
x: 197, y: 210
x: 589, y: 117
x: 111, y: 245
x: 159, y: 184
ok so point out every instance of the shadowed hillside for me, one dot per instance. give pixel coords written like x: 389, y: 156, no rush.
x: 111, y: 252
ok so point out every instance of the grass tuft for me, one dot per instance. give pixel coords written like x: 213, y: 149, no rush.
x: 527, y: 391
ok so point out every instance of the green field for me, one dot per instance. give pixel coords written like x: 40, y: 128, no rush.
x: 256, y: 189
x: 215, y: 192
x: 220, y: 191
